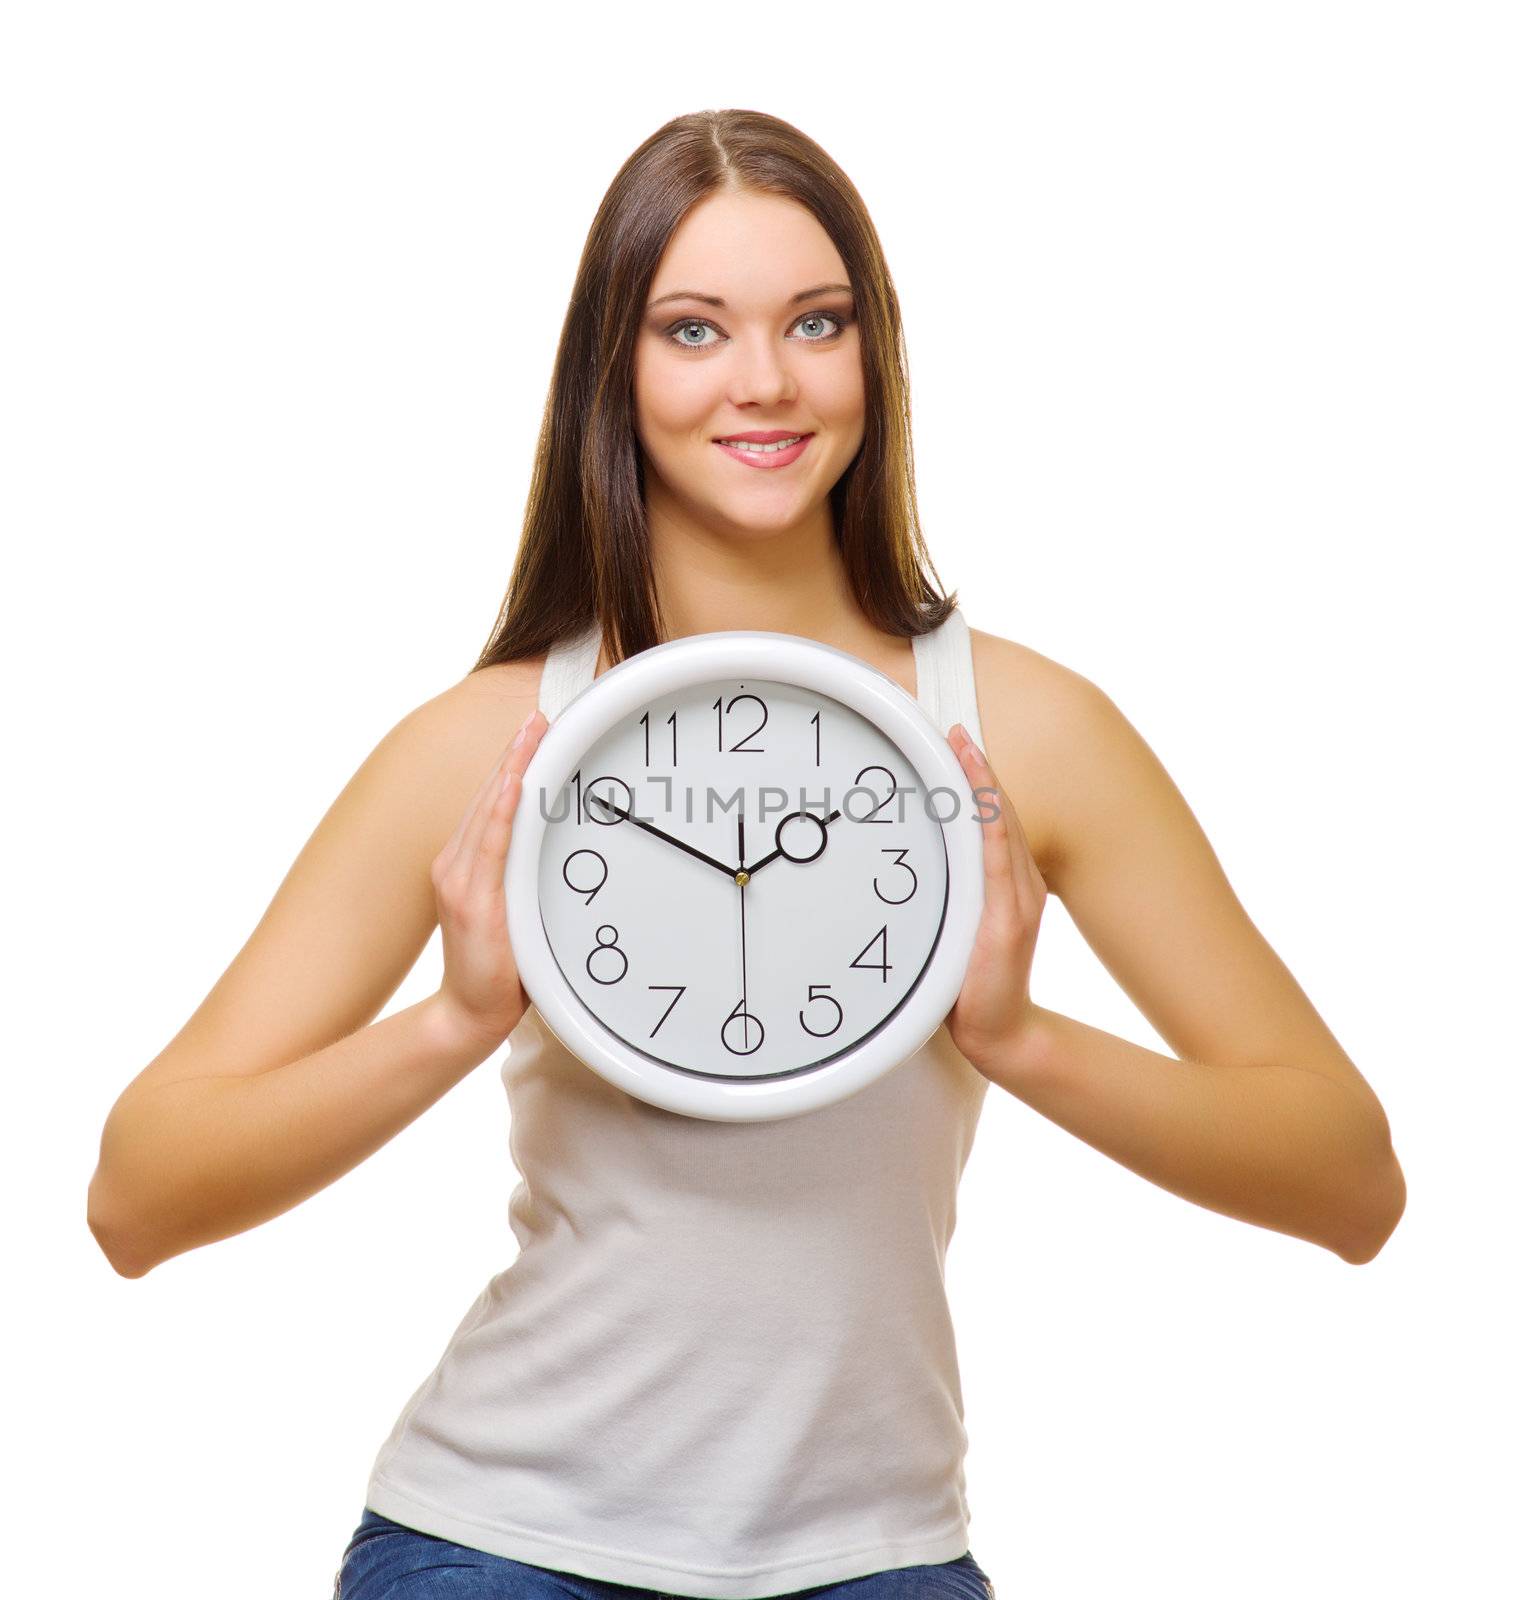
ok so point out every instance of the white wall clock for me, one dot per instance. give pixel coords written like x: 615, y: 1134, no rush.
x: 745, y: 875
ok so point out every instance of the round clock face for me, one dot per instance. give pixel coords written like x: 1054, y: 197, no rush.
x: 742, y: 877
x: 745, y: 875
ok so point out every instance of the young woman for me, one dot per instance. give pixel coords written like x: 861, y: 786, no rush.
x: 721, y: 1363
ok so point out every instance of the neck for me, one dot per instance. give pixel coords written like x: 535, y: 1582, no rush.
x: 788, y: 580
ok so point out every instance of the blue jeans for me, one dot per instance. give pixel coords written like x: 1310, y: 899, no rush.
x: 384, y: 1558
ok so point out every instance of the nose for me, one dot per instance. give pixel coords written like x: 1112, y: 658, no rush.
x: 761, y: 373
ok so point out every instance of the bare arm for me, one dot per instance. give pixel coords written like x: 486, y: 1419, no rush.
x: 280, y: 1082
x: 1259, y: 1114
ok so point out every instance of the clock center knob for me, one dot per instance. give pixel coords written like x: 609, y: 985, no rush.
x: 741, y: 878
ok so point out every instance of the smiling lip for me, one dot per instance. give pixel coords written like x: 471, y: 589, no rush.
x: 769, y: 437
x: 766, y: 460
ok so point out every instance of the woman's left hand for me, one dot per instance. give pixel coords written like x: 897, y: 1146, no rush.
x: 992, y: 1011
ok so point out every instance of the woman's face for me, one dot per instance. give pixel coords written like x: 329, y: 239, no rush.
x: 775, y: 349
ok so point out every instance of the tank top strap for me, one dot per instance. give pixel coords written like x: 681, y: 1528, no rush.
x: 943, y: 666
x: 567, y: 669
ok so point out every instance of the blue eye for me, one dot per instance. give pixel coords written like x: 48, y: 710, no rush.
x: 686, y: 327
x: 819, y: 316
x: 691, y: 324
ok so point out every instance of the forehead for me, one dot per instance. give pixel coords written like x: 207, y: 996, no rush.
x: 749, y: 249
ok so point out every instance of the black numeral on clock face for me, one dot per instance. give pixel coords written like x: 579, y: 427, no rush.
x: 874, y: 966
x: 872, y: 816
x: 603, y: 947
x: 674, y: 744
x: 589, y: 802
x: 742, y: 1019
x: 914, y: 881
x: 814, y: 999
x: 742, y: 748
x: 679, y: 989
x: 589, y: 892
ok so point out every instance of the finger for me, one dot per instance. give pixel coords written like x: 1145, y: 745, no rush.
x: 486, y: 865
x: 1023, y: 861
x: 487, y: 791
x: 999, y: 867
x: 996, y: 843
x: 1029, y: 882
x: 470, y: 811
x: 1028, y: 875
x: 506, y: 788
x: 487, y: 868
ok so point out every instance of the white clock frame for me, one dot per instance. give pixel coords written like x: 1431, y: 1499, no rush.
x: 680, y: 664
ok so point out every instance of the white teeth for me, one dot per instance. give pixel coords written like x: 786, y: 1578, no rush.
x: 763, y: 449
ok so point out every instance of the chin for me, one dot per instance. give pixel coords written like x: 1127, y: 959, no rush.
x: 757, y: 525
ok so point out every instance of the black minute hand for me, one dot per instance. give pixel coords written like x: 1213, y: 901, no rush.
x: 679, y: 844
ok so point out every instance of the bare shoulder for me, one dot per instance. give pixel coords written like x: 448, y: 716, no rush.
x: 488, y: 704
x: 357, y: 906
x: 424, y: 772
x: 1033, y: 709
x: 462, y: 732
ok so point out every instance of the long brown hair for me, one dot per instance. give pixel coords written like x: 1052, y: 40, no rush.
x: 584, y: 551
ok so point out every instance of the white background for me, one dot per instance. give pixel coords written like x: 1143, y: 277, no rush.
x: 1219, y: 335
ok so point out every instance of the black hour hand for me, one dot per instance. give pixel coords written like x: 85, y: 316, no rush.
x: 780, y: 850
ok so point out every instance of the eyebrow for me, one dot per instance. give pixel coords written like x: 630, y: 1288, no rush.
x: 713, y: 300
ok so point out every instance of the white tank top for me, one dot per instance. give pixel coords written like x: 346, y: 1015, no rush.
x: 722, y: 1363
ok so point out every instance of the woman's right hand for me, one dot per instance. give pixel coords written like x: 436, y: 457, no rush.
x: 480, y: 988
